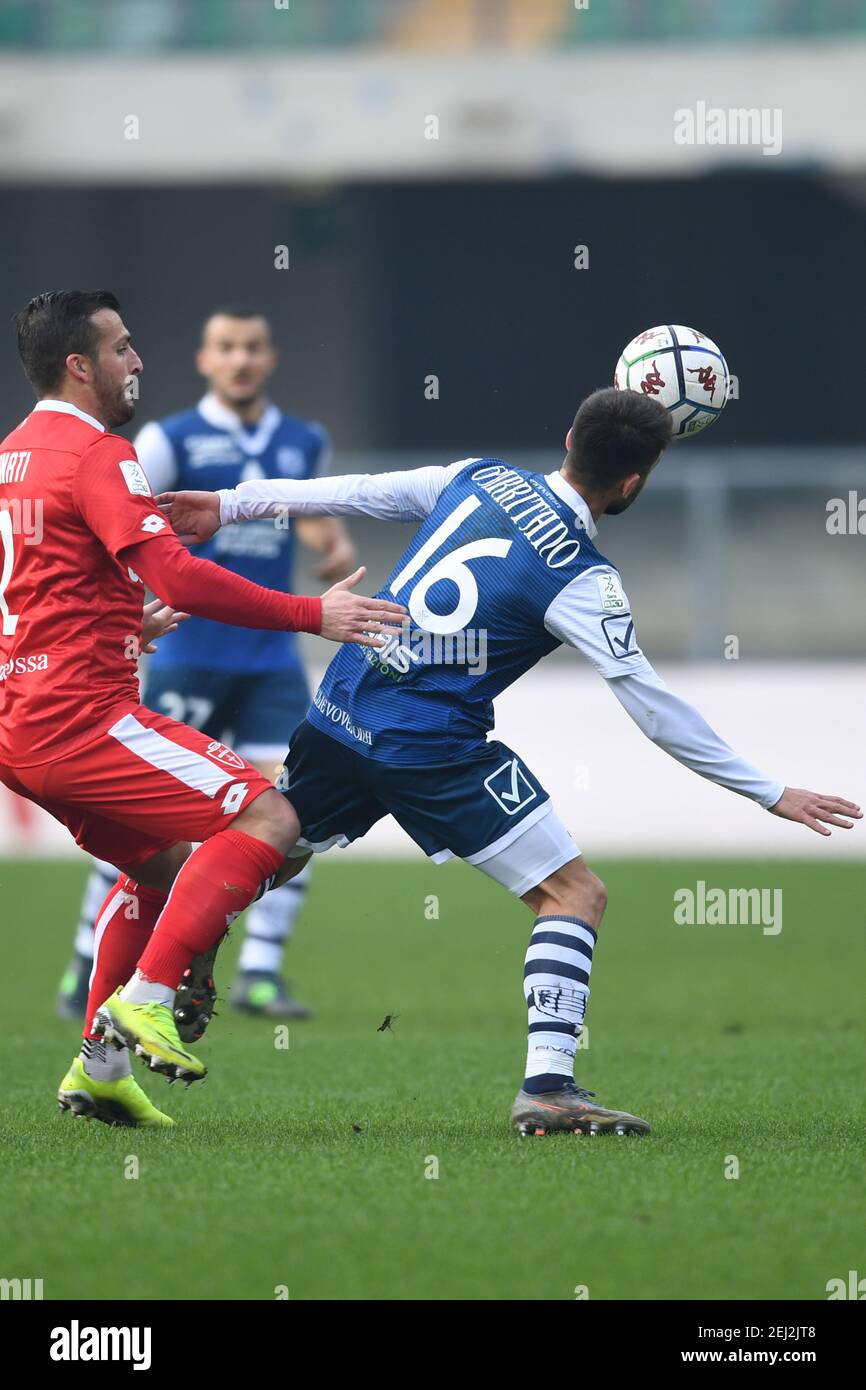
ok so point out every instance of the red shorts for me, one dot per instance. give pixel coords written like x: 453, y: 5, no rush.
x: 144, y: 784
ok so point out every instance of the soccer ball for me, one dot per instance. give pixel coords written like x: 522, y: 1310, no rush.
x: 683, y: 368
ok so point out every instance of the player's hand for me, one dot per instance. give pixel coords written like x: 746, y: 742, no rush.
x: 348, y: 617
x: 338, y: 561
x: 811, y: 808
x: 157, y: 619
x: 195, y: 516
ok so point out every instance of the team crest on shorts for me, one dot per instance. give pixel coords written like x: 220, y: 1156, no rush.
x: 221, y: 754
x: 510, y: 787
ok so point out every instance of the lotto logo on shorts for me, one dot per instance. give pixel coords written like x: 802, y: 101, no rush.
x: 221, y: 754
x: 510, y: 787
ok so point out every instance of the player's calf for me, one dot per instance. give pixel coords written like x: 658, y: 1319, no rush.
x: 569, y: 906
x: 216, y: 883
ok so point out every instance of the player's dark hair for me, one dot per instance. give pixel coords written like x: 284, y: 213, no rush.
x: 616, y: 433
x: 52, y: 326
x: 236, y: 311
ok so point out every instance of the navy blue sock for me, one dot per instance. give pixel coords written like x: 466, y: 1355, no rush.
x: 548, y: 1081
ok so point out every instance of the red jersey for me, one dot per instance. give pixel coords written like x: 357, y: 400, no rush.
x: 72, y: 497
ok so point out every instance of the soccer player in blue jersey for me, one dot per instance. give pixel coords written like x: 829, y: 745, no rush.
x: 245, y: 687
x: 502, y: 569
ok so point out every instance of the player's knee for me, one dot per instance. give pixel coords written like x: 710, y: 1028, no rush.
x: 578, y: 892
x: 271, y: 818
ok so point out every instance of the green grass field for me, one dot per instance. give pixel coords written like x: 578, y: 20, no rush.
x: 731, y: 1042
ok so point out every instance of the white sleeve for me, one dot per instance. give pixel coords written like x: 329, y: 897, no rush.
x: 408, y: 496
x: 593, y: 614
x: 681, y: 730
x: 156, y: 456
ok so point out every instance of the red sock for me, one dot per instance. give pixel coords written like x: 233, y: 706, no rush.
x: 217, y: 882
x: 123, y: 929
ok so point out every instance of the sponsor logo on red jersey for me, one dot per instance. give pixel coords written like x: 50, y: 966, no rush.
x: 24, y: 665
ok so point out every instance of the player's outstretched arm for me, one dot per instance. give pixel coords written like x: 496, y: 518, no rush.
x: 593, y: 614
x: 405, y: 496
x: 681, y: 730
x: 207, y: 590
x: 112, y: 495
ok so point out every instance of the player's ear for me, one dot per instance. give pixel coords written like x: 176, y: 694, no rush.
x: 78, y: 367
x: 200, y: 361
x: 271, y: 360
x: 630, y: 484
x: 568, y: 438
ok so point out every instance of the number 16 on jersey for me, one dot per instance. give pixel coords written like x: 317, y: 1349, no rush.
x: 452, y: 566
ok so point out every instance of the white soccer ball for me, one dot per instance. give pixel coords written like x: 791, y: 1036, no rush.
x: 682, y: 368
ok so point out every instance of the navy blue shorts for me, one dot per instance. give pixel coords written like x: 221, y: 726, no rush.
x: 459, y: 808
x: 256, y: 714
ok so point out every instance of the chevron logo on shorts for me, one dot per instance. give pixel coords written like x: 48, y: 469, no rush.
x: 221, y: 754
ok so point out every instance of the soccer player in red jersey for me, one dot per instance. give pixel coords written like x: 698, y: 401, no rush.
x: 80, y: 537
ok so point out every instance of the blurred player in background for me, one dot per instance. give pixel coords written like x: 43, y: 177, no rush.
x: 238, y: 686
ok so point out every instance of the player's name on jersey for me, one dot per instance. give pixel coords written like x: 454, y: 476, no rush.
x: 530, y: 512
x: 13, y: 465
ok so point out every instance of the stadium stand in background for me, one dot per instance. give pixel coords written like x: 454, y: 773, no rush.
x: 156, y: 25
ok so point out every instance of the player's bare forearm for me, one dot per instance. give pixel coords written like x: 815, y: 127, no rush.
x: 816, y: 810
x: 330, y: 539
